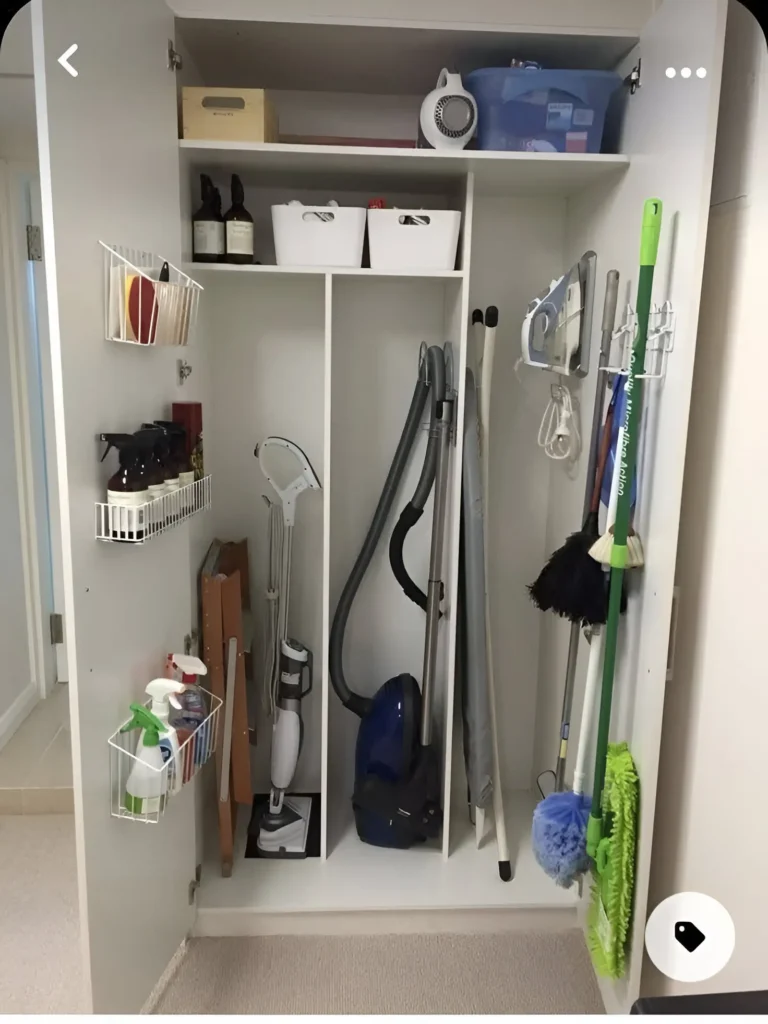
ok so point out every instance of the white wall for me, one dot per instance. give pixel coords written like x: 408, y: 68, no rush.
x: 711, y: 829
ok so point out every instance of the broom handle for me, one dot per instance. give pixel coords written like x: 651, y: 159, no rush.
x: 595, y: 649
x: 598, y: 456
x: 606, y: 336
x: 649, y: 246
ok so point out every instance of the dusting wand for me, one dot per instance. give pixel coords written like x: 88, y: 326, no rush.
x: 559, y: 833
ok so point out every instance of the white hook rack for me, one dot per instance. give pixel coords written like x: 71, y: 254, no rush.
x: 661, y: 342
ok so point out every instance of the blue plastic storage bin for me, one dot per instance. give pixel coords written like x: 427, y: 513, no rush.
x: 539, y: 110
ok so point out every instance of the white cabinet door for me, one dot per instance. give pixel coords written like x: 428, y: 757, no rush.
x: 109, y: 170
x: 669, y: 132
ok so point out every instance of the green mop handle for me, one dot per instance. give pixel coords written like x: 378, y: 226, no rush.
x: 649, y: 247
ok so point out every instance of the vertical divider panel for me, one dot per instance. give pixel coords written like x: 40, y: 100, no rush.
x: 324, y: 675
x: 456, y: 316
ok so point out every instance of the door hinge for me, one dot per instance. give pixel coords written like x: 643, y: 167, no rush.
x: 34, y: 243
x: 194, y: 885
x: 634, y: 81
x: 175, y: 63
x: 57, y: 628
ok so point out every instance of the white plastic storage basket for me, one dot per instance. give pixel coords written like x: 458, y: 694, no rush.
x: 318, y: 236
x: 413, y: 239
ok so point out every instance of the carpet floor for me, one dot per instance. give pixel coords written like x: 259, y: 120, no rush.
x: 40, y: 958
x: 517, y: 972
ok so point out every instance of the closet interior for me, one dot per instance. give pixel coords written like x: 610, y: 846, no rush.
x: 327, y: 357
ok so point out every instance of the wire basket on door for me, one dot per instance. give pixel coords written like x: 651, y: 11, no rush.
x: 195, y: 751
x: 148, y: 301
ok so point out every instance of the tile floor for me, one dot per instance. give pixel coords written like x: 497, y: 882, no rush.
x: 36, y: 763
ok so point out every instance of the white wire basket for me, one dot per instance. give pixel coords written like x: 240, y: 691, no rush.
x: 136, y: 524
x: 193, y: 754
x: 139, y: 308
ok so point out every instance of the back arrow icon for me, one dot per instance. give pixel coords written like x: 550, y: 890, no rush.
x: 64, y: 60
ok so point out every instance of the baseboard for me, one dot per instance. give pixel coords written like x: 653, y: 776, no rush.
x: 11, y: 719
x: 217, y: 923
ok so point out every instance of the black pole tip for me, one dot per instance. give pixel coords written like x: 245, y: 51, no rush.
x: 492, y: 317
x: 505, y: 871
x: 477, y: 316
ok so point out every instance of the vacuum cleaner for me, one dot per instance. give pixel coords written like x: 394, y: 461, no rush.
x: 396, y: 797
x: 284, y: 824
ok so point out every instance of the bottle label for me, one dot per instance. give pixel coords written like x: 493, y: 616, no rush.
x: 240, y: 237
x: 173, y: 484
x: 186, y: 478
x: 208, y: 238
x: 156, y: 491
x: 134, y: 519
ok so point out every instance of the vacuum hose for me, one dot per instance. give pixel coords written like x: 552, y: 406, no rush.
x: 414, y: 510
x: 354, y: 701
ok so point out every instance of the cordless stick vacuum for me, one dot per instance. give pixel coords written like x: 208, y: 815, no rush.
x: 284, y: 825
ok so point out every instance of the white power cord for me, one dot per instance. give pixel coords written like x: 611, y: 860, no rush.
x: 559, y: 431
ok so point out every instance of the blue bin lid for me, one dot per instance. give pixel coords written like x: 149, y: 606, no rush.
x: 519, y: 81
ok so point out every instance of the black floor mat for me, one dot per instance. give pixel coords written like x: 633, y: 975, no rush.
x: 313, y: 836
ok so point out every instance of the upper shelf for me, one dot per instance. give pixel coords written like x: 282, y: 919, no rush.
x: 380, y: 58
x: 496, y: 173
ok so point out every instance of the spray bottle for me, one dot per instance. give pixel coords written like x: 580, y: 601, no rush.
x: 127, y: 488
x: 194, y: 711
x: 163, y: 693
x: 147, y: 785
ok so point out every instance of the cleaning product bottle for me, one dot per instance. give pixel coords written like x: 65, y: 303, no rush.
x: 239, y: 226
x: 147, y: 785
x: 164, y: 697
x: 177, y: 437
x: 153, y: 472
x: 208, y: 226
x: 127, y: 488
x: 193, y: 713
x: 165, y: 456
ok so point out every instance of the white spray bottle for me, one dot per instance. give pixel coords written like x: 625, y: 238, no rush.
x: 194, y: 712
x: 163, y: 693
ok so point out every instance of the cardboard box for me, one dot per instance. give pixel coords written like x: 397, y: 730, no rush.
x: 228, y: 115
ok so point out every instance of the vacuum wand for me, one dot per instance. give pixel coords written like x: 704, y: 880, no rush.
x: 435, y: 587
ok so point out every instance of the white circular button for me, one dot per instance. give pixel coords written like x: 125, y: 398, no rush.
x: 671, y: 72
x: 686, y: 72
x: 690, y: 937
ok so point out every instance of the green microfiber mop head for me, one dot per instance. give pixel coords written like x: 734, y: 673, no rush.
x: 613, y: 888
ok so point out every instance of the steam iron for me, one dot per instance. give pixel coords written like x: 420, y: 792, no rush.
x: 558, y: 325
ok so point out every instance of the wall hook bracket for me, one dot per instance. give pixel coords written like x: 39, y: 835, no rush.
x: 184, y: 370
x: 662, y: 322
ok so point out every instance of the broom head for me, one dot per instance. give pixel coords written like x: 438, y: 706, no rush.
x: 602, y: 548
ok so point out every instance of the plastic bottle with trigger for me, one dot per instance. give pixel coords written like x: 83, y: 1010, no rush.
x: 190, y: 718
x: 164, y: 694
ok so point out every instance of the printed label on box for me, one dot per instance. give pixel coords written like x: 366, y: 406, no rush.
x: 583, y: 118
x: 576, y: 142
x: 559, y: 116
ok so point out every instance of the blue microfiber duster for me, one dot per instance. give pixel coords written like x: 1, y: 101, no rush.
x: 560, y: 834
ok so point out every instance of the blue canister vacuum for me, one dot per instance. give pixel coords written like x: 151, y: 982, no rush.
x: 396, y: 798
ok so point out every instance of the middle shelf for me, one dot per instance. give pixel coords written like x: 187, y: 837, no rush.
x: 254, y: 268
